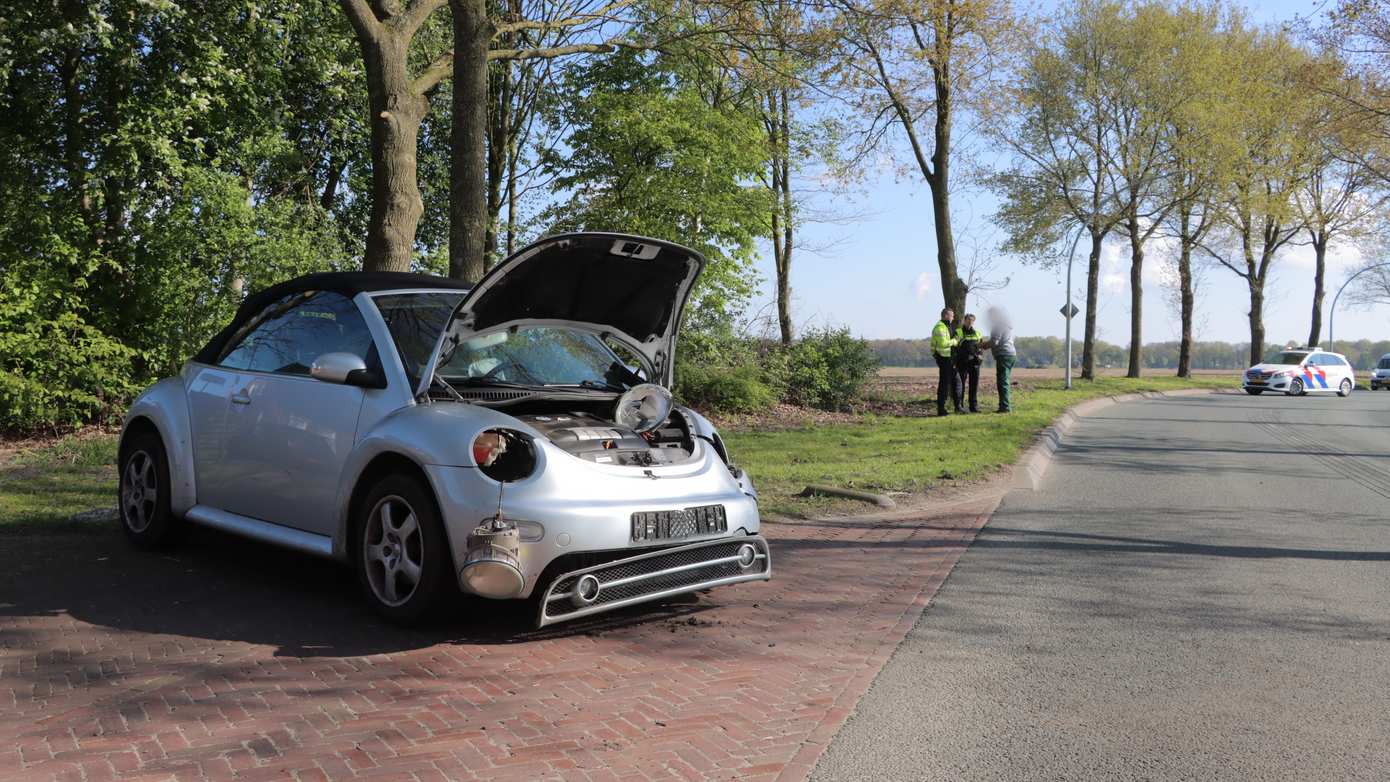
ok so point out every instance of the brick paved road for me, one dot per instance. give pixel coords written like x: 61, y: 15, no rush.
x: 224, y: 659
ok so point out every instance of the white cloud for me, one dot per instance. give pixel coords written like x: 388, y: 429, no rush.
x: 922, y: 286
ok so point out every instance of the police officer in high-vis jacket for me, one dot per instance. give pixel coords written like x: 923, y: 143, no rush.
x: 943, y: 343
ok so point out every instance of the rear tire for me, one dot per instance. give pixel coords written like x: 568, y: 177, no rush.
x: 1295, y: 387
x: 400, y: 551
x: 143, y: 491
x: 1345, y: 388
x: 1254, y: 391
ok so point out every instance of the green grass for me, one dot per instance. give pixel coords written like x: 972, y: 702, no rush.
x: 45, y: 485
x: 905, y: 454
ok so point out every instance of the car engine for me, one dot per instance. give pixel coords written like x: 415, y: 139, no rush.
x: 600, y: 440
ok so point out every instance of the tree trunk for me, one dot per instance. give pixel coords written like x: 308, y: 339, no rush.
x: 396, y: 113
x: 498, y: 150
x: 468, y: 212
x: 783, y: 230
x: 1185, y: 294
x: 1088, y: 345
x: 953, y: 288
x: 1319, y: 279
x: 1257, y: 320
x: 1136, y: 296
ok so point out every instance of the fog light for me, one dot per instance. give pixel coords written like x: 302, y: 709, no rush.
x: 586, y: 590
x: 747, y: 555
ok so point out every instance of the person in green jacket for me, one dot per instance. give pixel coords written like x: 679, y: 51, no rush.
x: 943, y: 343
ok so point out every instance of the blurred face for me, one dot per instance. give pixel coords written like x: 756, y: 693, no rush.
x: 969, y: 321
x: 949, y: 316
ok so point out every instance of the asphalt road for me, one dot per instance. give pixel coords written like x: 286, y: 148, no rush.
x: 1200, y: 590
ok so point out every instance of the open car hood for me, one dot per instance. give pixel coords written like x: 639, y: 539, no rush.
x: 628, y: 288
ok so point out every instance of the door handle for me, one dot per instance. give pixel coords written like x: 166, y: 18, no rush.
x: 241, y: 398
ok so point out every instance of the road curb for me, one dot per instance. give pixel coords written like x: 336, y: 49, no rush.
x: 1032, y: 466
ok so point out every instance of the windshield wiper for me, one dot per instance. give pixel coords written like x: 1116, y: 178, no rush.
x: 477, y: 382
x: 585, y: 384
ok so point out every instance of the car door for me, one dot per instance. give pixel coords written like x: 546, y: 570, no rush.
x: 286, y: 435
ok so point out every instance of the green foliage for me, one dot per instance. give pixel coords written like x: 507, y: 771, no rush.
x: 737, y: 389
x: 828, y: 368
x: 56, y: 369
x: 720, y: 371
x: 156, y: 159
x: 651, y: 154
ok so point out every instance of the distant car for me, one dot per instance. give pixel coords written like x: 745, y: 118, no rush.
x: 1380, y: 376
x: 516, y: 438
x: 1298, y: 371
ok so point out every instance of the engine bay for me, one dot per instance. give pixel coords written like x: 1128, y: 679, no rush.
x: 598, y: 439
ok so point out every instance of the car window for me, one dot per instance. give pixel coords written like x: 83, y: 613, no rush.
x: 294, y: 331
x: 1288, y: 358
x: 415, y: 321
x: 1384, y: 363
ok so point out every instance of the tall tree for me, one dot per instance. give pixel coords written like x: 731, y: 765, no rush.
x: 1259, y: 209
x: 666, y: 147
x: 398, y: 101
x: 1144, y: 92
x: 499, y: 32
x: 1339, y: 198
x: 916, y: 65
x: 1198, y: 146
x: 1063, y: 146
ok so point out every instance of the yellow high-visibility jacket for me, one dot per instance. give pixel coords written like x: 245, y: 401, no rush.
x: 941, y: 340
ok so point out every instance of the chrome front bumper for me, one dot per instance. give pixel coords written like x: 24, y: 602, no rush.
x: 655, y: 575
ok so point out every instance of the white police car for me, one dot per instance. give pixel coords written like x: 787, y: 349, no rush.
x: 1297, y: 371
x: 1380, y: 376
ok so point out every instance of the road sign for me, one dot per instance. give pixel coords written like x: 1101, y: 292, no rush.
x: 1073, y: 312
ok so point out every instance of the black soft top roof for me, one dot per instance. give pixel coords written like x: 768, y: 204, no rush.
x: 346, y: 283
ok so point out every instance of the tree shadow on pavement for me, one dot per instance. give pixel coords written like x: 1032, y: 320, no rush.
x: 217, y: 586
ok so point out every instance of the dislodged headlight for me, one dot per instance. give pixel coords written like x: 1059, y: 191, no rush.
x: 492, y: 567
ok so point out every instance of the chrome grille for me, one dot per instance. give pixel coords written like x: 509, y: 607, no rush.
x: 655, y: 575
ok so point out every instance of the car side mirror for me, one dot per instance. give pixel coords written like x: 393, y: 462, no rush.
x: 345, y: 369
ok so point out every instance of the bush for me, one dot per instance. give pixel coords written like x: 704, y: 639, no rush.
x: 736, y: 389
x: 61, y: 373
x: 828, y: 368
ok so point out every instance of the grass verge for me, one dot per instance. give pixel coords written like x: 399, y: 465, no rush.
x: 47, y: 484
x: 890, y: 454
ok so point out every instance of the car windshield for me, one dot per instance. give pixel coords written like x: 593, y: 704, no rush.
x: 534, y: 356
x: 1384, y: 363
x: 415, y: 321
x: 1287, y: 358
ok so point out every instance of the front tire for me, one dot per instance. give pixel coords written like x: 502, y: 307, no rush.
x: 1254, y: 391
x: 1295, y: 387
x: 144, y: 491
x: 1345, y: 388
x: 401, y: 553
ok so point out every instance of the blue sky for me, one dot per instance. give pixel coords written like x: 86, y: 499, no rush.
x: 877, y: 273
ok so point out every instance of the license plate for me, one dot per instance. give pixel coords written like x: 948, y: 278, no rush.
x: 677, y: 524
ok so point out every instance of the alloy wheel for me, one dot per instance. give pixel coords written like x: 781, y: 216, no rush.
x: 393, y: 550
x: 139, y: 491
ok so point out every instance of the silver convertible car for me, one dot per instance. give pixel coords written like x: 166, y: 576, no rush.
x: 517, y: 439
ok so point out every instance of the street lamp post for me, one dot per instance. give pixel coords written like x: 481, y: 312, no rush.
x: 1068, y: 309
x: 1332, y: 314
